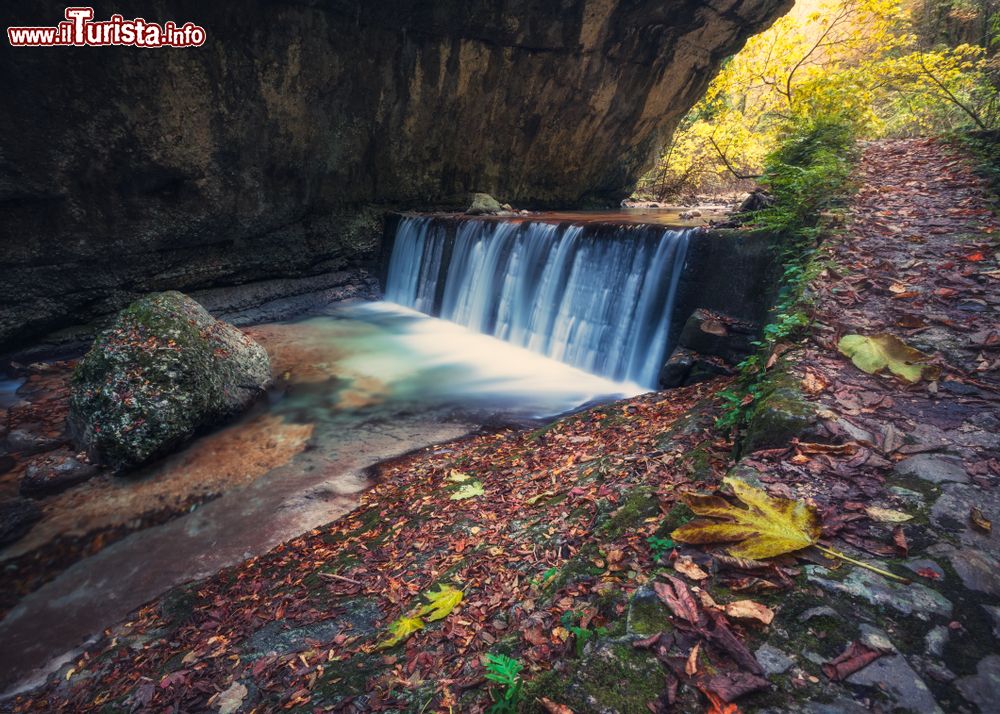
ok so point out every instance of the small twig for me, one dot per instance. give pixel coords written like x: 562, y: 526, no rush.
x: 837, y: 554
x: 334, y: 576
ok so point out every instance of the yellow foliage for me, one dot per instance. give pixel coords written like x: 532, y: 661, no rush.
x: 874, y: 353
x: 401, y: 629
x: 442, y: 603
x: 848, y: 58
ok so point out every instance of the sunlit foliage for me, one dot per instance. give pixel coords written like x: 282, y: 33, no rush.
x: 860, y: 60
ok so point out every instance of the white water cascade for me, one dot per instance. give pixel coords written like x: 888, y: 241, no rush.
x: 600, y: 300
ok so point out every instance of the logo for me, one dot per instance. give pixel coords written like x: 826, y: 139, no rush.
x: 79, y: 29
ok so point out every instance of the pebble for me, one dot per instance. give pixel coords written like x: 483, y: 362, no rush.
x: 994, y: 612
x: 936, y: 639
x: 914, y: 498
x: 773, y: 660
x: 822, y: 611
x: 979, y: 571
x: 916, y: 564
x: 951, y: 510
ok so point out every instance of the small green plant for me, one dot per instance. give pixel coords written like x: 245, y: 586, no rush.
x: 809, y: 171
x: 659, y: 546
x: 505, y: 671
x: 582, y: 635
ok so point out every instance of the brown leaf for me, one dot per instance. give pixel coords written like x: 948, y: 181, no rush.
x: 899, y: 538
x: 552, y: 708
x: 723, y: 637
x: 688, y: 567
x: 675, y: 595
x: 732, y: 685
x: 748, y: 609
x: 979, y: 521
x: 691, y: 666
x: 855, y: 657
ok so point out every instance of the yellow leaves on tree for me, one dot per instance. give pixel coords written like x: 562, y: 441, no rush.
x: 874, y: 353
x: 855, y: 59
x: 767, y: 527
x: 439, y: 606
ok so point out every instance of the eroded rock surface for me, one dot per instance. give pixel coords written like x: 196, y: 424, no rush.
x: 272, y: 150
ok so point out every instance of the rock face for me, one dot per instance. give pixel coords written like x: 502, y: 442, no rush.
x: 271, y: 150
x: 164, y: 369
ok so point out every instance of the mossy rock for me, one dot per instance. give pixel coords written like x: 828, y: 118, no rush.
x: 613, y: 677
x: 780, y: 415
x: 483, y: 204
x: 647, y: 615
x: 162, y: 371
x: 641, y: 503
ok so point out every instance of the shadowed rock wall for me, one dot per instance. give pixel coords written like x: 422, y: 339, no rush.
x: 273, y: 150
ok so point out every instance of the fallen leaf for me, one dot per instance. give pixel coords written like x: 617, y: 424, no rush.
x: 470, y: 490
x: 874, y: 353
x: 979, y: 521
x: 458, y: 476
x: 552, y: 708
x: 767, y: 527
x: 441, y: 603
x: 688, y: 567
x: 231, y: 699
x: 855, y: 657
x: 675, y: 595
x: 928, y: 573
x: 750, y: 610
x: 401, y: 629
x: 886, y: 515
x: 691, y: 666
x: 812, y: 383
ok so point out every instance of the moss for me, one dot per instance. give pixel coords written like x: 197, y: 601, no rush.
x: 780, y: 414
x: 646, y: 614
x: 641, y: 503
x: 164, y: 369
x: 178, y: 605
x: 699, y: 462
x: 612, y: 677
x: 676, y: 517
x: 345, y: 679
x: 579, y: 567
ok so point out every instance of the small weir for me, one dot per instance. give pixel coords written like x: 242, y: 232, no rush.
x: 595, y: 296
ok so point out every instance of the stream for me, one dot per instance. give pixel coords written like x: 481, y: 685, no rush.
x: 356, y: 385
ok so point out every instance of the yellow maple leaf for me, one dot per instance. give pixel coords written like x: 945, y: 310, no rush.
x: 767, y: 527
x: 441, y: 603
x: 401, y: 629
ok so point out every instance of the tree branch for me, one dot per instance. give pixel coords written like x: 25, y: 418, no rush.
x: 725, y: 160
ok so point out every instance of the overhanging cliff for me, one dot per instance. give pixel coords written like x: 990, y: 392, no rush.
x: 271, y: 150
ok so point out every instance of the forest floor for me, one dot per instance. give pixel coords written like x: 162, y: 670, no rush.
x: 559, y: 539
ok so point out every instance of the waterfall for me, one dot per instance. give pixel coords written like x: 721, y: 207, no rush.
x: 599, y: 298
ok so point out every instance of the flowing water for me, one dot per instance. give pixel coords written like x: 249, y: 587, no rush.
x: 486, y: 322
x: 599, y: 302
x: 355, y: 386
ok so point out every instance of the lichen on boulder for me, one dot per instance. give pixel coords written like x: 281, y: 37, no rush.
x: 483, y: 204
x: 162, y: 371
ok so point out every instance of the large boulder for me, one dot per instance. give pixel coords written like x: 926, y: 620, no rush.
x: 162, y: 371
